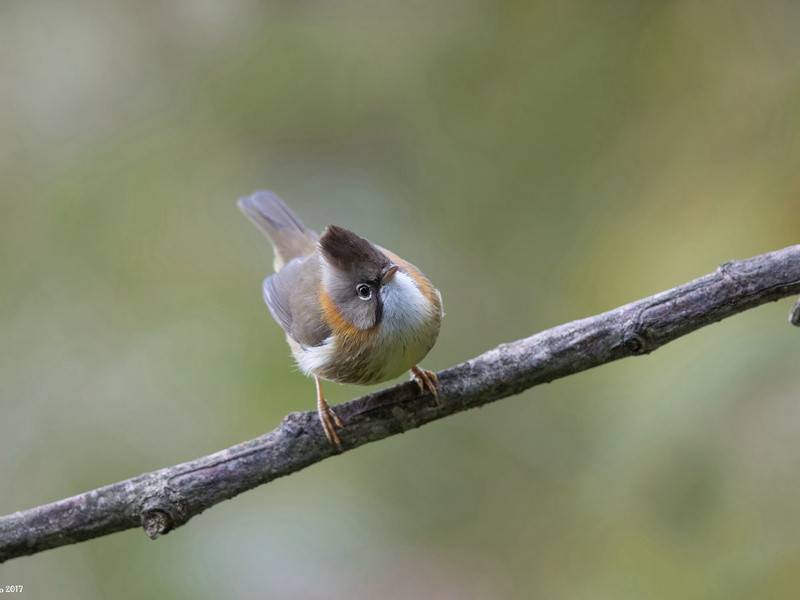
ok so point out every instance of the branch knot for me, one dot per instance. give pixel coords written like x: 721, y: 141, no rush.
x: 633, y: 341
x: 162, y: 511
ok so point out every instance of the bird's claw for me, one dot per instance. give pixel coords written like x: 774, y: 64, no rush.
x: 426, y: 380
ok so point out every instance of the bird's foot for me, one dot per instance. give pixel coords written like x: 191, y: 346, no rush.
x: 426, y: 380
x: 328, y: 419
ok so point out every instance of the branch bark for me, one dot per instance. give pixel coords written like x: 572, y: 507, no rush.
x: 165, y: 499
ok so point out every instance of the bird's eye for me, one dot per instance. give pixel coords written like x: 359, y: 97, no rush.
x: 364, y: 291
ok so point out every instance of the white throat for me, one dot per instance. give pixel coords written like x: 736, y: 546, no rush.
x: 405, y: 309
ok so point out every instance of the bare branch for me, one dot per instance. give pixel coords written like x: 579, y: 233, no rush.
x: 163, y: 500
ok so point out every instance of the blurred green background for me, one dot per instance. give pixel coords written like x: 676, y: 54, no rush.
x: 540, y: 161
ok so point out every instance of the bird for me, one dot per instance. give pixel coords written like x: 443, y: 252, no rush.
x: 353, y: 312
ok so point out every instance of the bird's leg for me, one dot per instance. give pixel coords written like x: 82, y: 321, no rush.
x: 426, y: 380
x: 328, y: 418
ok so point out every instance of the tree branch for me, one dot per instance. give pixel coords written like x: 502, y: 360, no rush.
x: 163, y: 500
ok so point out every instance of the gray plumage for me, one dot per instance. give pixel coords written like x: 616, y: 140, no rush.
x: 292, y: 292
x: 339, y: 258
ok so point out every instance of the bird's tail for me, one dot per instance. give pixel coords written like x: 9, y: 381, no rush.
x: 289, y: 237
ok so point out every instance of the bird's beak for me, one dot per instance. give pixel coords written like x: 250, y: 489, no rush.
x: 388, y: 274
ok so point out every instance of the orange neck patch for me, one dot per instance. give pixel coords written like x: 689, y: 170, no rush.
x: 341, y: 327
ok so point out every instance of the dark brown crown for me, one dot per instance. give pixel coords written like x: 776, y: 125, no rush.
x: 351, y: 254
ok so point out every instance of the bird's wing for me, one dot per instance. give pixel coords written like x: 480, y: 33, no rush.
x: 292, y: 295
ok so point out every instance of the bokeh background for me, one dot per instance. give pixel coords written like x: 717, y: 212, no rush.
x: 541, y: 161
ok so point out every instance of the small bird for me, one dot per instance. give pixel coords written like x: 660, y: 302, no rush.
x: 353, y: 312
